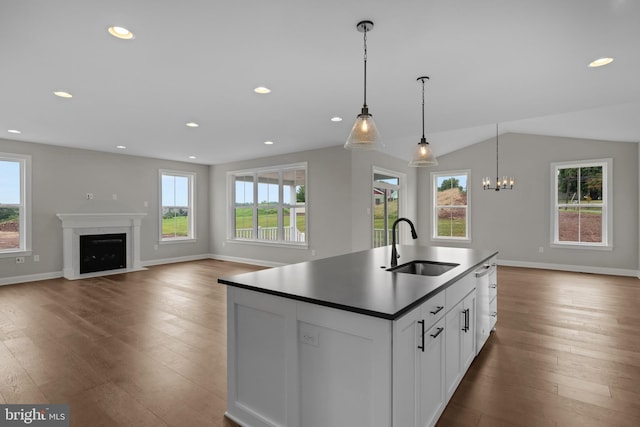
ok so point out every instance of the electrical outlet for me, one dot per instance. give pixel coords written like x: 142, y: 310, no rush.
x: 36, y: 258
x: 89, y: 196
x: 541, y: 249
x: 20, y: 260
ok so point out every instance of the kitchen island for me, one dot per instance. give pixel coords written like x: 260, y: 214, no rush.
x: 343, y: 341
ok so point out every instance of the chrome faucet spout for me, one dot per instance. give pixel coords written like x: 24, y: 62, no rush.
x: 394, y: 251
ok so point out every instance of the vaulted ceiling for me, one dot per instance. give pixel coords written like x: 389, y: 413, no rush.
x: 522, y: 64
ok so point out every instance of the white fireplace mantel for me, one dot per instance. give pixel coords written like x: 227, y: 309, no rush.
x: 75, y: 225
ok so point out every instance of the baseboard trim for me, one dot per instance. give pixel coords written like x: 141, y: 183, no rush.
x: 14, y: 280
x: 568, y: 267
x: 151, y: 262
x: 259, y: 262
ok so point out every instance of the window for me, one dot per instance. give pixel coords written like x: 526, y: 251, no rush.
x: 269, y: 205
x: 386, y: 197
x: 581, y: 203
x: 451, y: 205
x: 177, y: 207
x: 15, y: 212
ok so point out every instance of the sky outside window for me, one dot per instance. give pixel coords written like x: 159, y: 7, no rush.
x: 9, y: 182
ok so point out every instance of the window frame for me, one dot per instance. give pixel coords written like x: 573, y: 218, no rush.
x: 281, y: 205
x: 402, y: 199
x: 434, y: 206
x: 606, y: 206
x: 191, y: 227
x: 24, y: 207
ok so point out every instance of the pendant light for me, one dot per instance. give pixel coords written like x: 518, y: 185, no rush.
x: 423, y: 155
x: 364, y: 134
x: 505, y: 183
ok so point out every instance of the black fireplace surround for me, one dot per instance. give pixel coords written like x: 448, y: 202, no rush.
x: 102, y: 252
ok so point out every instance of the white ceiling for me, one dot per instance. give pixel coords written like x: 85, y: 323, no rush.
x: 520, y: 63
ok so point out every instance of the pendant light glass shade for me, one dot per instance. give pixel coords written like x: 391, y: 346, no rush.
x: 423, y: 155
x: 364, y: 134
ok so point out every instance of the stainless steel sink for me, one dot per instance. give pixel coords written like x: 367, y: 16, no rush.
x: 424, y: 268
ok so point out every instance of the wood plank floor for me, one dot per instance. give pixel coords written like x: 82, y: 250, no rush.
x: 149, y: 349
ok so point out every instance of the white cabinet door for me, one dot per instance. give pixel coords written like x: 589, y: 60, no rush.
x: 460, y: 341
x: 453, y: 345
x: 432, y: 375
x: 468, y: 331
x: 406, y: 358
x: 418, y: 366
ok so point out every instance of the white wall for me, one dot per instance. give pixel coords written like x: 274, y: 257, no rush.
x: 339, y: 192
x: 61, y: 177
x: 517, y: 222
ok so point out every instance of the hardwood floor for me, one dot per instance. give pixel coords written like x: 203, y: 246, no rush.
x: 566, y: 353
x: 149, y: 349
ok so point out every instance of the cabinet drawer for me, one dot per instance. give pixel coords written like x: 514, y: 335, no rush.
x: 457, y: 291
x: 435, y: 333
x: 493, y: 289
x: 493, y: 312
x: 433, y: 309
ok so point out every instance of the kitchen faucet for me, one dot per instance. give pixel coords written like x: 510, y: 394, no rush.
x: 394, y: 252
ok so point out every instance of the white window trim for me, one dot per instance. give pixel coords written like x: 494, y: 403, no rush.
x: 434, y: 204
x: 402, y: 191
x: 25, y: 214
x: 607, y: 192
x: 192, y: 207
x: 231, y: 205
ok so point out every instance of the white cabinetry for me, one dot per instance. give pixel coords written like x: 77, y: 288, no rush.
x: 293, y: 363
x: 433, y: 346
x: 460, y: 337
x: 487, y: 304
x: 418, y: 364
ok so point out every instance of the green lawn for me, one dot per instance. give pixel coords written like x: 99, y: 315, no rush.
x: 267, y: 218
x: 452, y: 227
x: 177, y: 226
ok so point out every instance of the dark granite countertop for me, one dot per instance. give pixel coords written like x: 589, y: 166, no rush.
x: 356, y: 282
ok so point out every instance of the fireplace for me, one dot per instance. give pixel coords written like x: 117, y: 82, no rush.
x: 102, y: 252
x: 105, y: 231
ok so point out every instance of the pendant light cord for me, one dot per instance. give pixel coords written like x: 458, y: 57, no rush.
x: 365, y: 67
x: 423, y: 138
x: 497, y: 174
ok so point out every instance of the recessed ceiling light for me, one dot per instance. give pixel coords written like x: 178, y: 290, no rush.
x: 192, y: 124
x: 336, y: 119
x: 121, y: 147
x: 14, y: 131
x: 121, y: 33
x: 268, y: 143
x: 262, y: 90
x: 192, y: 157
x: 600, y: 62
x: 62, y: 94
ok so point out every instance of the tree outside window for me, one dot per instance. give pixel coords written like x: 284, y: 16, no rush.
x: 269, y: 204
x: 580, y: 212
